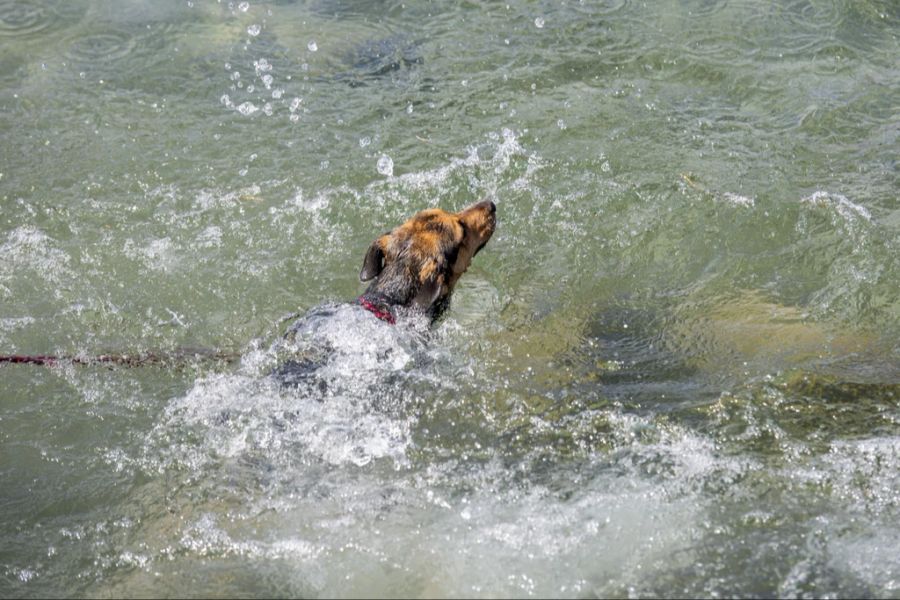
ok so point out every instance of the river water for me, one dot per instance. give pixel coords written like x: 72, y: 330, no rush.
x: 674, y: 370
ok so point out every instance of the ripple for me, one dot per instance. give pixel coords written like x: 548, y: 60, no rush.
x: 724, y: 48
x: 100, y: 47
x: 705, y: 8
x: 379, y: 58
x: 22, y: 18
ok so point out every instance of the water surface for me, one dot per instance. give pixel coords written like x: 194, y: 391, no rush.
x: 674, y: 371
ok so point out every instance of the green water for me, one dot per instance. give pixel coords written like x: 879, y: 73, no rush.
x: 674, y: 370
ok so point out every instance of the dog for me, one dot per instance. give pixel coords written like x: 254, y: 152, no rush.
x: 412, y: 269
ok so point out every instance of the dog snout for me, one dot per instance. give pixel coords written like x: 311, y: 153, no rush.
x: 485, y: 205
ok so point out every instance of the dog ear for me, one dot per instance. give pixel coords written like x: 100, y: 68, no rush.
x: 373, y: 262
x: 429, y: 291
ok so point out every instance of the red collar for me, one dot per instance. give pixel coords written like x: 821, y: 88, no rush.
x: 382, y: 313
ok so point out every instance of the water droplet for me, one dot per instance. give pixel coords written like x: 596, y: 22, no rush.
x: 254, y: 30
x: 561, y: 124
x: 409, y: 109
x: 385, y: 165
x: 242, y: 172
x: 294, y: 118
x: 539, y: 22
x: 244, y: 6
x: 226, y: 101
x: 277, y: 93
x: 364, y: 141
x: 295, y: 104
x: 312, y: 46
x: 267, y: 109
x: 267, y: 81
x: 247, y: 108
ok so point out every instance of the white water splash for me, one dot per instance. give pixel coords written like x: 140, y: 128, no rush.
x: 385, y: 166
x: 28, y: 249
x: 848, y: 210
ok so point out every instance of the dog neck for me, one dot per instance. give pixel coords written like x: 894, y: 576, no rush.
x: 385, y: 307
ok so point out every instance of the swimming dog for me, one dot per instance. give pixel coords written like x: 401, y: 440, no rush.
x: 412, y: 269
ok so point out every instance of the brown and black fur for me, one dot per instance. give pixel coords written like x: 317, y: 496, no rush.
x: 417, y: 264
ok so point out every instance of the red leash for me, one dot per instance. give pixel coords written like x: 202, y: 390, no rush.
x: 50, y: 360
x: 35, y: 359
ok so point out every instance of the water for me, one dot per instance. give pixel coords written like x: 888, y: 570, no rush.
x: 673, y: 371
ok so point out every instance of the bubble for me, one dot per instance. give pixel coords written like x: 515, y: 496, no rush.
x: 277, y: 93
x: 312, y: 46
x: 262, y: 66
x: 244, y: 6
x: 267, y: 81
x: 561, y: 124
x: 539, y: 22
x: 364, y: 141
x: 247, y: 108
x: 409, y: 109
x: 385, y: 165
x: 254, y: 30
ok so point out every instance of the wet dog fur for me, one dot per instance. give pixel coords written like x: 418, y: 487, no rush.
x: 417, y: 264
x: 412, y: 268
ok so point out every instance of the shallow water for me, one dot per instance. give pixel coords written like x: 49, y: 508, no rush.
x: 674, y: 371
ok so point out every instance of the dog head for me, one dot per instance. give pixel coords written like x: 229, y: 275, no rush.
x: 418, y: 263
